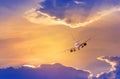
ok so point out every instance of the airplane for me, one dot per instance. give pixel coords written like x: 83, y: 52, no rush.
x: 77, y: 46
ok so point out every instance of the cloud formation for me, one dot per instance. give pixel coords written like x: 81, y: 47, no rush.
x: 114, y: 72
x: 61, y: 8
x: 58, y: 71
x: 55, y: 71
x: 72, y: 13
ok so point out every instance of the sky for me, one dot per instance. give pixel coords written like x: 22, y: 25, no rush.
x: 36, y: 32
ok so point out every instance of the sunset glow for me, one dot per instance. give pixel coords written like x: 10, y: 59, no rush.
x: 37, y: 33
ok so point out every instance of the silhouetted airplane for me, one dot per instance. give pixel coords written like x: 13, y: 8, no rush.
x: 77, y: 45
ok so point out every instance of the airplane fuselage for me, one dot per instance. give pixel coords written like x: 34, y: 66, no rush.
x: 76, y: 44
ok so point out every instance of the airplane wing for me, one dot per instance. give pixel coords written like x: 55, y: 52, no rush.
x: 87, y: 40
x: 83, y: 44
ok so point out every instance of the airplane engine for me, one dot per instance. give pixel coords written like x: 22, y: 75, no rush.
x: 82, y: 46
x: 72, y: 50
x: 85, y: 44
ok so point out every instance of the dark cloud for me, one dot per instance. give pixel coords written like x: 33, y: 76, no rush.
x: 59, y: 7
x: 83, y: 8
x: 58, y: 71
x: 55, y: 71
x: 114, y: 73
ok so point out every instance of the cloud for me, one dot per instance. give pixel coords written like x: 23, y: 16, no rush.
x: 72, y: 13
x: 58, y: 71
x: 46, y: 71
x: 114, y: 72
x: 61, y: 8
